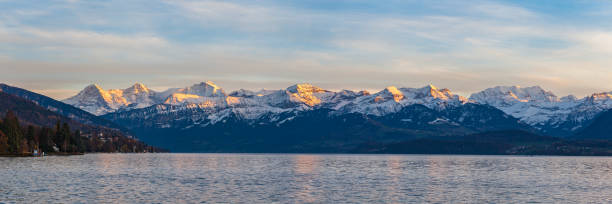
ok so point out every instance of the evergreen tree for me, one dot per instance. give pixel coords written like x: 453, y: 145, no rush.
x: 46, y: 145
x: 66, y: 136
x: 30, y: 137
x: 24, y: 146
x: 13, y: 132
x: 4, y: 146
x: 77, y: 140
x: 57, y: 136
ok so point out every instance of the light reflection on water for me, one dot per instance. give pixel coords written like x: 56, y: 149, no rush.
x: 301, y: 178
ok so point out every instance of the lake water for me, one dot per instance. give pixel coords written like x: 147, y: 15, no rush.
x: 297, y: 178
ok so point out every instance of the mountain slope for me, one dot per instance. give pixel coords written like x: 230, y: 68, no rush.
x: 600, y: 128
x: 90, y: 138
x: 58, y: 107
x: 309, y: 130
x: 30, y: 112
x: 543, y: 109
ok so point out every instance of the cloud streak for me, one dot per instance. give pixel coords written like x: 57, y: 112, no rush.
x: 467, y: 46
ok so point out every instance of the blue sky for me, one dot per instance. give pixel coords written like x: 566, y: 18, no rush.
x: 59, y: 47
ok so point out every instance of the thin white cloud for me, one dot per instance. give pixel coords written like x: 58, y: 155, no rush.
x: 503, y: 11
x: 265, y: 45
x: 77, y: 38
x: 596, y: 41
x: 82, y: 45
x: 229, y: 15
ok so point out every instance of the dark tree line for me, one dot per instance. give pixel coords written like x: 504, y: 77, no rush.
x: 17, y: 139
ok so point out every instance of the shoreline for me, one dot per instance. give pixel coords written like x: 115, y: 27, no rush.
x: 308, y: 153
x: 46, y: 154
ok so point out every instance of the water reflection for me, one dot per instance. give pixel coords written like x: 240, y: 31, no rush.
x: 107, y: 167
x: 277, y: 178
x: 304, y: 167
x: 306, y: 164
x: 395, y: 172
x: 436, y: 174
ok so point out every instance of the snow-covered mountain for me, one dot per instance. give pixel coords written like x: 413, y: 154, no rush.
x: 203, y: 93
x: 544, y: 110
x: 98, y: 101
x: 532, y: 105
x: 251, y: 104
x: 422, y: 110
x: 203, y: 117
x: 392, y: 99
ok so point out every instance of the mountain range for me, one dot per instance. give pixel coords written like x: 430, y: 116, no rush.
x: 304, y: 118
x: 531, y: 105
x: 203, y: 112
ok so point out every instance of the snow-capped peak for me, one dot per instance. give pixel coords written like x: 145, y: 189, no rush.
x: 92, y: 99
x: 137, y: 88
x: 305, y: 89
x: 205, y: 89
x: 98, y: 101
x: 242, y: 93
x: 392, y: 99
x: 600, y: 96
x: 307, y: 94
x: 94, y: 90
x: 508, y: 95
x: 91, y: 87
x: 433, y: 92
x: 541, y: 108
x: 603, y: 100
x: 392, y: 91
x: 205, y: 93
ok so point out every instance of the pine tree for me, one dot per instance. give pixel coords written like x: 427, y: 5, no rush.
x: 4, y: 146
x: 13, y: 132
x: 30, y: 137
x: 46, y: 145
x: 23, y: 146
x: 57, y: 136
x: 77, y: 140
x: 66, y: 135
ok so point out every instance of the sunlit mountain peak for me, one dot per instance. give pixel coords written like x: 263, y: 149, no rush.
x: 206, y: 89
x: 306, y: 93
x: 93, y: 86
x: 137, y: 88
x: 305, y: 88
x: 395, y: 92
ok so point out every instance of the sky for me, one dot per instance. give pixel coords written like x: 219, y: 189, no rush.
x: 58, y: 47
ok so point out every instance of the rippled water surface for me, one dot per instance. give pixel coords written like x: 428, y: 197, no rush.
x: 295, y: 178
